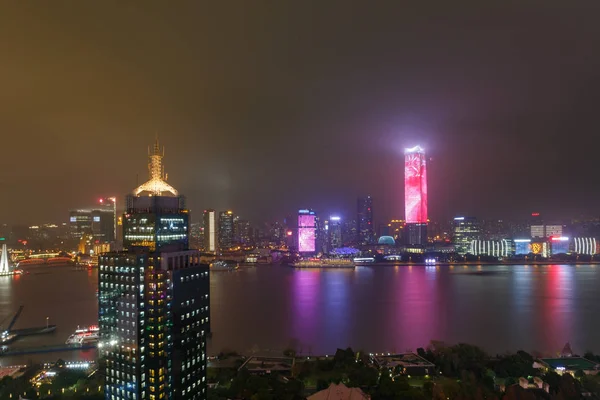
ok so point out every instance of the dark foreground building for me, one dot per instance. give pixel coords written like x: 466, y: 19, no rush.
x: 154, y: 305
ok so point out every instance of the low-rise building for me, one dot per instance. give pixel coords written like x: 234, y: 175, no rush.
x: 405, y: 364
x: 339, y: 392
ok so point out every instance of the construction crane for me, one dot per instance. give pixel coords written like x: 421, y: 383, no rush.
x: 12, y: 322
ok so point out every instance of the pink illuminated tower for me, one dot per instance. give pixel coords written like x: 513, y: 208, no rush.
x: 415, y: 195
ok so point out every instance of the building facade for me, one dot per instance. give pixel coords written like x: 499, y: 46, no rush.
x: 415, y: 196
x: 211, y: 238
x: 307, y: 231
x: 495, y: 248
x: 335, y: 232
x: 364, y: 221
x: 465, y: 231
x: 153, y: 302
x: 226, y: 229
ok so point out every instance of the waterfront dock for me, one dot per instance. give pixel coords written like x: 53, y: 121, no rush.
x: 45, y: 349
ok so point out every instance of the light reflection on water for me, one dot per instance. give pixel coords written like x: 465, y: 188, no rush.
x: 393, y: 308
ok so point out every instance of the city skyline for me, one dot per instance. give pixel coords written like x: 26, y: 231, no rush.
x: 267, y: 119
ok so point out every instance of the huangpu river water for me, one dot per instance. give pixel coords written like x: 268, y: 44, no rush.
x: 266, y: 309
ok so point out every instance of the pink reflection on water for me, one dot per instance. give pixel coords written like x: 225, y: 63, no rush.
x: 305, y: 299
x: 556, y: 306
x: 417, y: 317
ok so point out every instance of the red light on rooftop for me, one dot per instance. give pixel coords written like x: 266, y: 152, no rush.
x: 101, y: 200
x: 535, y: 214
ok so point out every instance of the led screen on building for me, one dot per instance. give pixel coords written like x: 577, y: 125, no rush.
x: 415, y: 186
x: 560, y: 245
x: 306, y: 233
x: 522, y: 246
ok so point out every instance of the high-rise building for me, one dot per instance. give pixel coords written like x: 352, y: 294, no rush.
x: 242, y: 231
x: 335, y: 232
x: 466, y: 231
x: 415, y: 196
x: 307, y: 231
x: 226, y: 229
x: 98, y: 221
x: 153, y: 301
x: 364, y: 220
x: 155, y: 221
x: 211, y: 239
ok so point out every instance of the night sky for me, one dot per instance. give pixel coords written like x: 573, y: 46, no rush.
x: 269, y: 106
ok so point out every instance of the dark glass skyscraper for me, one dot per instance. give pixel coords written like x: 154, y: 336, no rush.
x: 154, y: 301
x: 364, y: 220
x: 226, y: 229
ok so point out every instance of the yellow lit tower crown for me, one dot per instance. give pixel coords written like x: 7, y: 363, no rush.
x: 157, y: 185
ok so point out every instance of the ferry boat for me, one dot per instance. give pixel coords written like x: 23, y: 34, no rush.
x: 223, y: 266
x: 84, y: 335
x: 324, y: 263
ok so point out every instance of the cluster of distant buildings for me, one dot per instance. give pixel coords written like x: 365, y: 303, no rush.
x: 96, y: 229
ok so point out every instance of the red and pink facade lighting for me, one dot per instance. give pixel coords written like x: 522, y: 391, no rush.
x: 415, y: 186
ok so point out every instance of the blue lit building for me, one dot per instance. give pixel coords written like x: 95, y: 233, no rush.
x: 522, y: 246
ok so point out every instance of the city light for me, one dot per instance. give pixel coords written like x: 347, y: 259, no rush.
x: 415, y: 186
x: 306, y: 233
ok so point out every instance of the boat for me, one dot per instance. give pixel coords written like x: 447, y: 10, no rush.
x: 223, y: 266
x: 324, y: 263
x: 85, y: 335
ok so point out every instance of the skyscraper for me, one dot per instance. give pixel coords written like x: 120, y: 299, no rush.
x: 335, y: 232
x: 307, y: 231
x: 364, y: 220
x: 466, y: 230
x: 225, y: 229
x: 153, y: 301
x: 415, y: 196
x: 211, y: 243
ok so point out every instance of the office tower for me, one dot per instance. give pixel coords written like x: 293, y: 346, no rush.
x: 335, y: 232
x: 211, y: 243
x: 241, y: 231
x: 415, y: 196
x: 225, y: 229
x: 153, y: 302
x: 364, y: 220
x: 546, y: 231
x: 97, y: 221
x: 80, y: 223
x: 466, y: 230
x: 307, y: 229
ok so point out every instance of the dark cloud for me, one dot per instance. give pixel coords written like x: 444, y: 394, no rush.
x: 269, y: 106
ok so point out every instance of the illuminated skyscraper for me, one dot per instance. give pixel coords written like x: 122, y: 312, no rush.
x: 153, y: 302
x: 307, y: 231
x: 415, y: 196
x: 364, y: 220
x: 335, y: 232
x: 211, y: 244
x: 225, y: 229
x: 466, y: 231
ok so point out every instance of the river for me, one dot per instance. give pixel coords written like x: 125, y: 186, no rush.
x: 266, y: 309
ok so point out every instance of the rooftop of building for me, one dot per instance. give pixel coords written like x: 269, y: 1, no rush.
x: 157, y: 184
x: 405, y: 360
x: 268, y: 364
x: 570, y: 363
x: 339, y: 392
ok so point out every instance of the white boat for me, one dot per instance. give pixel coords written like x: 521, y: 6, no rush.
x: 85, y: 335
